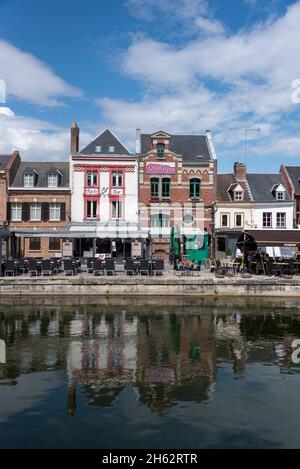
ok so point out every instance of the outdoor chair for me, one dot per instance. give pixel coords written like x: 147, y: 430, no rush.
x: 288, y: 270
x: 89, y: 265
x: 220, y: 272
x: 129, y: 267
x: 109, y: 267
x: 21, y: 266
x: 10, y: 268
x: 33, y: 268
x: 196, y: 269
x: 69, y: 268
x: 46, y: 268
x: 98, y: 268
x: 144, y: 267
x: 159, y: 267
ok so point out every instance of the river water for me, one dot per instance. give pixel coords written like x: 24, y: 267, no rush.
x: 149, y: 374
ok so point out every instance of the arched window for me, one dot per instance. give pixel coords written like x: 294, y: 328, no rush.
x: 195, y: 188
x: 154, y: 187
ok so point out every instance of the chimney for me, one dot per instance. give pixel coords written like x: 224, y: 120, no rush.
x: 138, y: 141
x: 75, y: 138
x: 240, y: 171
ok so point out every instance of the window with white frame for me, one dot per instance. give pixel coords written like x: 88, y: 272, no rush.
x: 239, y: 220
x: 52, y: 180
x: 91, y: 209
x: 280, y: 195
x: 92, y: 178
x: 16, y: 212
x: 111, y: 149
x: 267, y: 220
x: 35, y: 212
x: 116, y: 209
x: 224, y: 220
x: 28, y: 180
x: 238, y: 196
x: 117, y: 179
x: 98, y: 148
x: 281, y: 220
x: 54, y: 212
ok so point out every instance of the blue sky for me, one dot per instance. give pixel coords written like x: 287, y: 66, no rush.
x: 181, y: 66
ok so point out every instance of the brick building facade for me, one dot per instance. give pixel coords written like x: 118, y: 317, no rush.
x: 291, y: 178
x: 177, y: 176
x: 39, y: 202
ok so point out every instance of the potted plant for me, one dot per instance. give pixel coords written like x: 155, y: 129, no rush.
x: 229, y: 254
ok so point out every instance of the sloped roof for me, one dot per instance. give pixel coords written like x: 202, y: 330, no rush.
x: 4, y: 160
x: 42, y: 170
x: 227, y: 182
x: 105, y: 140
x: 193, y: 148
x: 261, y: 186
x: 294, y: 173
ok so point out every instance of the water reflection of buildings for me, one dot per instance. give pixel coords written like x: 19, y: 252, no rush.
x: 166, y: 357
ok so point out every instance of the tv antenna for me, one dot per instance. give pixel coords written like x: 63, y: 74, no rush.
x: 247, y: 130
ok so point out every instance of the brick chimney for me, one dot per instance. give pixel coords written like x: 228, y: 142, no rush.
x: 240, y: 171
x: 75, y: 138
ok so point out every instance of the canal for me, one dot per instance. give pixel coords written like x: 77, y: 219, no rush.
x: 157, y: 373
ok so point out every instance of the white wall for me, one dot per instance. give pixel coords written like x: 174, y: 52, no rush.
x: 274, y: 209
x: 231, y: 211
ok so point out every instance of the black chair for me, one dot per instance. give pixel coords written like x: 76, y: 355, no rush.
x: 159, y: 267
x: 220, y: 272
x: 21, y: 266
x: 10, y: 268
x: 33, y: 268
x: 98, y: 268
x: 69, y: 267
x: 47, y: 268
x: 129, y: 267
x: 109, y: 267
x: 144, y: 267
x: 90, y: 265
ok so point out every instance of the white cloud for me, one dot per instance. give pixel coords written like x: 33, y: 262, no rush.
x: 29, y: 79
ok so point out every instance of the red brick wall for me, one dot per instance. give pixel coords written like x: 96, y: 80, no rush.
x: 3, y: 197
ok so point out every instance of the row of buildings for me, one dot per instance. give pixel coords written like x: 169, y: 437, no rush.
x: 106, y: 201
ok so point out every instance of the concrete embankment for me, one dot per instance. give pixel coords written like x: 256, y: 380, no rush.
x: 121, y: 286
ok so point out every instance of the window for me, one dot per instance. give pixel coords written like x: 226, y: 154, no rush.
x: 35, y: 212
x: 92, y: 178
x: 91, y: 209
x: 111, y: 149
x: 52, y: 180
x: 160, y: 220
x: 98, y: 148
x: 267, y: 220
x: 238, y: 220
x: 54, y: 212
x: 281, y: 220
x: 280, y: 195
x: 160, y: 150
x: 154, y: 187
x: 195, y: 188
x: 34, y: 244
x: 28, y: 180
x: 116, y: 209
x: 225, y: 220
x: 238, y: 196
x: 16, y: 212
x: 117, y: 179
x: 54, y: 244
x: 166, y: 188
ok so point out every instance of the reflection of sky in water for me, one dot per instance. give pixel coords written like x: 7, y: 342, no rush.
x: 205, y: 377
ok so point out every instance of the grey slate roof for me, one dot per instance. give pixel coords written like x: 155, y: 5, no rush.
x: 189, y: 146
x: 4, y: 159
x: 42, y: 169
x: 105, y: 140
x: 226, y: 181
x: 294, y: 173
x: 261, y: 186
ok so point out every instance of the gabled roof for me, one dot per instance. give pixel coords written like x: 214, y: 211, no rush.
x: 226, y: 184
x: 4, y: 160
x: 42, y: 170
x: 192, y: 148
x: 262, y: 187
x: 294, y: 173
x: 105, y: 140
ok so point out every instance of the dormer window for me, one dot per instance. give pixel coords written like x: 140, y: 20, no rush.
x: 238, y: 196
x: 54, y: 178
x: 160, y: 150
x: 98, y: 148
x: 280, y: 195
x: 111, y: 149
x: 30, y: 177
